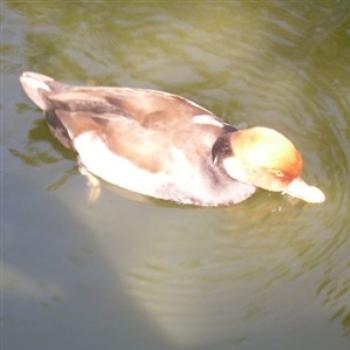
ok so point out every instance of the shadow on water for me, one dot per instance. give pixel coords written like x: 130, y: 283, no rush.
x: 55, y: 284
x: 123, y: 274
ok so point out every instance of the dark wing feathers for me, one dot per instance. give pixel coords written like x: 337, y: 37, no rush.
x: 132, y: 123
x: 137, y: 104
x: 127, y: 138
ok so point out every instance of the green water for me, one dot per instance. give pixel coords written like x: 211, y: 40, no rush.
x: 132, y: 273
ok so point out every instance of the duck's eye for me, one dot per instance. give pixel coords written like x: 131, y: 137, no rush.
x: 279, y: 173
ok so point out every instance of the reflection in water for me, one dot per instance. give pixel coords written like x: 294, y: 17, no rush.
x: 238, y: 273
x: 37, y: 154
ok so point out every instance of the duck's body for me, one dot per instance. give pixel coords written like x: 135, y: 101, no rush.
x: 146, y: 141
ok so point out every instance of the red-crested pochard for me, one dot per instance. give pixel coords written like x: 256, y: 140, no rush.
x: 166, y: 146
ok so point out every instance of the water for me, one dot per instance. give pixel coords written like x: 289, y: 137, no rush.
x: 133, y: 273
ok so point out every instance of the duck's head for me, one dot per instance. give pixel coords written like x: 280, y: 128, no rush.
x: 265, y: 158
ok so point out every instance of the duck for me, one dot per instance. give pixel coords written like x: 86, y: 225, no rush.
x: 165, y: 146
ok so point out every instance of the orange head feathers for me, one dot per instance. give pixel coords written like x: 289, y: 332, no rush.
x: 265, y: 158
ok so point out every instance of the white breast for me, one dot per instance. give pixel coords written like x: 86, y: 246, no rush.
x: 184, y: 182
x: 100, y: 161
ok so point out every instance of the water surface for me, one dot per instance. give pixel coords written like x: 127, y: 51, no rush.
x: 133, y: 273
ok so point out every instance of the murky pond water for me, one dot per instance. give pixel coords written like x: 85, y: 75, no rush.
x: 133, y: 273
